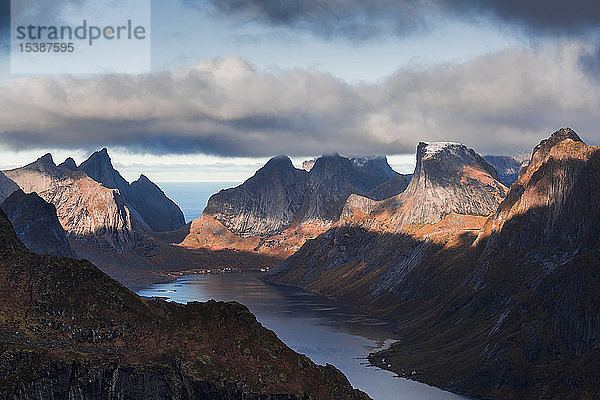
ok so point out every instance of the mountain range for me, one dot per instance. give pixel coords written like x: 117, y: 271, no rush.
x: 502, y: 306
x: 106, y: 220
x: 488, y: 265
x: 275, y: 211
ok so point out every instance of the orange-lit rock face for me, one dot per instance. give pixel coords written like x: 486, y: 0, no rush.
x: 207, y: 232
x: 560, y: 173
x: 87, y: 210
x: 448, y: 178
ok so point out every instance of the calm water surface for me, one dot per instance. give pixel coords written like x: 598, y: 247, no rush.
x: 192, y: 197
x: 324, y: 330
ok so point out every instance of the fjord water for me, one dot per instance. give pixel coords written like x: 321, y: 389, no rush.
x: 325, y: 330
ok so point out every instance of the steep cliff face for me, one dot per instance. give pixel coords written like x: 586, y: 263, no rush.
x: 507, y: 167
x: 525, y: 323
x: 159, y: 212
x: 89, y: 212
x: 448, y: 178
x: 7, y: 187
x: 150, y: 205
x: 68, y: 331
x: 333, y: 178
x: 36, y: 224
x: 265, y: 203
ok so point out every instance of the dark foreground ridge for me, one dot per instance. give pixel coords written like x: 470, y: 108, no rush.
x: 68, y: 331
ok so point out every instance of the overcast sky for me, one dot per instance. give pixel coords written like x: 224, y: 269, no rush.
x: 237, y: 81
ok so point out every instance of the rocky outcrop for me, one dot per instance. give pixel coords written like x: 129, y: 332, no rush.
x: 507, y: 167
x: 68, y: 331
x: 90, y: 213
x: 448, y: 178
x: 146, y: 201
x: 69, y: 164
x: 36, y: 224
x: 7, y: 187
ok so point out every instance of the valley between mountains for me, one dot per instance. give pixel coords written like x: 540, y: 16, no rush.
x: 489, y: 268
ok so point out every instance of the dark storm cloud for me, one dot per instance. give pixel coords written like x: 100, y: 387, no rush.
x: 358, y: 19
x: 560, y: 17
x: 354, y: 19
x: 589, y: 61
x: 500, y: 103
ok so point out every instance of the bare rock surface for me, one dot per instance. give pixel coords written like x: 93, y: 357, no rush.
x: 36, y: 224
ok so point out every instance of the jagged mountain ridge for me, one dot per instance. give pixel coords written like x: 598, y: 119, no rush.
x: 280, y: 195
x: 144, y: 198
x: 68, y: 331
x: 102, y: 227
x: 37, y: 224
x: 89, y: 212
x: 452, y: 191
x: 274, y: 212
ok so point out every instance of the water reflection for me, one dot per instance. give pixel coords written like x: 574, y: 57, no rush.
x: 323, y: 329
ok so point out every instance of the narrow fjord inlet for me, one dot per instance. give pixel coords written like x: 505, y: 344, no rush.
x: 327, y: 331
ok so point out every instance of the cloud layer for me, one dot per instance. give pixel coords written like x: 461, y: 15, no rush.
x: 359, y: 20
x: 500, y: 103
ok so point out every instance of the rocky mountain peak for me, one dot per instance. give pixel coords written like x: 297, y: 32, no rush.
x: 542, y: 150
x: 69, y: 164
x: 551, y: 203
x: 45, y: 159
x: 442, y: 157
x: 557, y: 137
x: 263, y: 204
x: 99, y: 167
x: 277, y: 162
x: 148, y: 203
x: 449, y: 178
x: 43, y: 164
x: 442, y: 161
x: 375, y: 165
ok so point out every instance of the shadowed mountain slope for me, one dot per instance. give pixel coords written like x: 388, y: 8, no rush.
x: 37, y: 224
x: 69, y: 331
x: 7, y: 187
